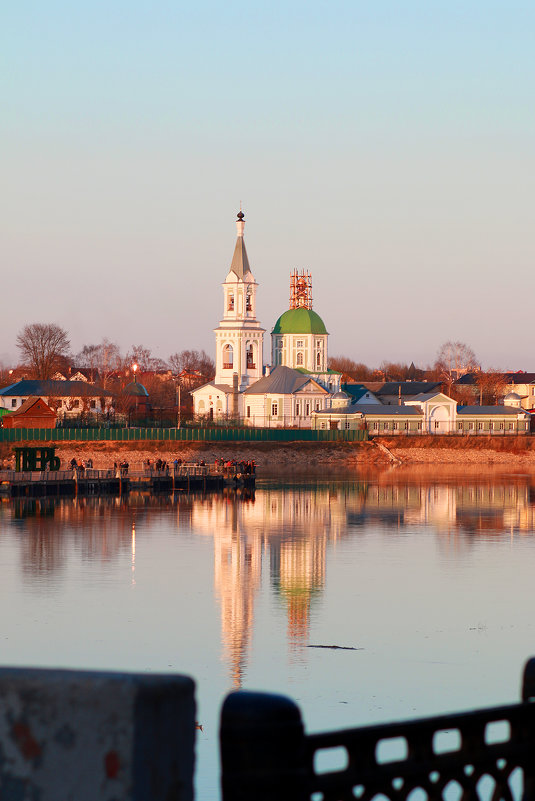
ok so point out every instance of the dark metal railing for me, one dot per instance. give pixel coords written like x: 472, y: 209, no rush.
x: 485, y: 755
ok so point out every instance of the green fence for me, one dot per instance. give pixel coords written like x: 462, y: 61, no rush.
x: 178, y: 435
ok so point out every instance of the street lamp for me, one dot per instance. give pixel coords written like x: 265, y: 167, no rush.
x: 134, y: 368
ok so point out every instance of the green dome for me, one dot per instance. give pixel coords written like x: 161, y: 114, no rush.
x: 136, y: 389
x: 299, y: 321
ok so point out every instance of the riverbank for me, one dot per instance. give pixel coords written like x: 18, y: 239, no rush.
x: 436, y: 450
x: 306, y: 457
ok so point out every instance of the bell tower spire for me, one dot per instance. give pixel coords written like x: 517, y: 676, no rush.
x: 239, y: 337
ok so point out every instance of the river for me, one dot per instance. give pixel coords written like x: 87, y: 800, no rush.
x: 429, y: 579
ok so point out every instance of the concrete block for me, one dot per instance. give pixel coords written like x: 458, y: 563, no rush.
x: 84, y: 736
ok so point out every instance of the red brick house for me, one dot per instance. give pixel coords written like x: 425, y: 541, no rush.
x: 34, y: 413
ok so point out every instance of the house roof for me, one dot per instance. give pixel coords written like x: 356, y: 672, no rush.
x: 495, y: 410
x: 60, y: 389
x: 425, y: 396
x: 356, y: 391
x: 373, y: 409
x: 519, y: 378
x: 225, y: 388
x: 283, y: 381
x: 407, y: 387
x: 29, y: 403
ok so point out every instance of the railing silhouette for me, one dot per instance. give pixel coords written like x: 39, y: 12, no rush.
x: 485, y: 755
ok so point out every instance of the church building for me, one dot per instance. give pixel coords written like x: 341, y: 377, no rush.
x: 299, y: 381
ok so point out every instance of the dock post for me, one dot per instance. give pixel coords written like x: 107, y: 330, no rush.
x: 263, y: 748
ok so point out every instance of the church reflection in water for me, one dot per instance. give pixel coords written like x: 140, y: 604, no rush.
x: 279, y: 535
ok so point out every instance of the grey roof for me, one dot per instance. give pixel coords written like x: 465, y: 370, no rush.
x: 356, y: 391
x: 519, y: 378
x: 468, y: 379
x: 282, y: 380
x: 425, y: 396
x: 373, y: 409
x: 240, y: 262
x: 497, y: 410
x: 407, y: 387
x: 226, y: 388
x: 59, y: 389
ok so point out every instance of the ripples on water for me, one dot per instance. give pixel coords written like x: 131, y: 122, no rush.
x: 430, y: 578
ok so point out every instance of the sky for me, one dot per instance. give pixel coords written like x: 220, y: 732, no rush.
x: 386, y: 147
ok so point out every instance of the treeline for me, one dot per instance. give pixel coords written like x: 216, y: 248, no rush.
x: 45, y: 350
x: 453, y: 361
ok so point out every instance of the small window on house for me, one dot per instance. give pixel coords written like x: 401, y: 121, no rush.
x: 419, y: 426
x: 13, y: 402
x: 406, y: 425
x: 248, y: 411
x: 76, y: 404
x: 376, y: 426
x: 297, y: 408
x: 460, y: 426
x: 248, y: 303
x: 318, y: 360
x: 386, y: 426
x: 324, y: 425
x: 394, y: 426
x: 511, y: 426
x: 299, y: 360
x: 93, y: 404
x: 230, y: 305
x: 299, y: 343
x: 274, y: 409
x: 437, y: 424
x: 501, y: 426
x: 470, y: 426
x: 480, y: 426
x: 317, y: 405
x: 491, y: 426
x: 347, y: 424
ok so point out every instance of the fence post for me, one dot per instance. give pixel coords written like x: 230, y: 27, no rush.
x: 263, y: 753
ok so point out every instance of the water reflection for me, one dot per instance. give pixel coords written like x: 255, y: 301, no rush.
x: 282, y: 535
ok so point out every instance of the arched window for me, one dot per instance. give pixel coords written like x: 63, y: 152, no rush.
x: 228, y: 357
x: 250, y: 357
x: 299, y: 360
x: 318, y: 360
x: 230, y: 306
x: 248, y: 301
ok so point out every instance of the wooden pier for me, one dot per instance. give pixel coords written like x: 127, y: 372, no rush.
x: 70, y: 483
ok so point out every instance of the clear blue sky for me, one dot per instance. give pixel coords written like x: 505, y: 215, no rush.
x: 388, y: 147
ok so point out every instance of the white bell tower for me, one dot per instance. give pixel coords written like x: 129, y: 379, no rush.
x: 239, y: 336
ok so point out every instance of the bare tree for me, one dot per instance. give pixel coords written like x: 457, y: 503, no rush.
x: 353, y: 370
x: 43, y: 347
x: 193, y: 361
x: 454, y: 359
x: 104, y: 358
x: 144, y: 359
x: 491, y: 384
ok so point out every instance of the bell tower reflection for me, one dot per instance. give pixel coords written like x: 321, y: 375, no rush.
x: 238, y: 564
